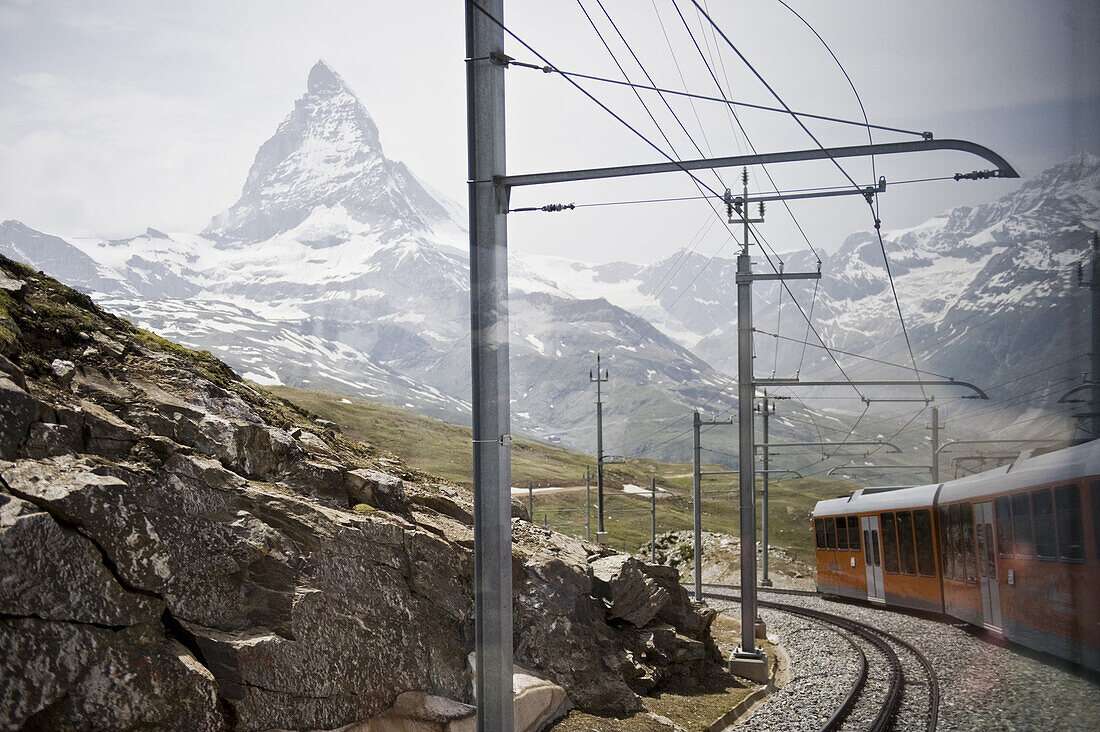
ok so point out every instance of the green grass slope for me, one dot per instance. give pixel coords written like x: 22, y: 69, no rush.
x: 443, y: 449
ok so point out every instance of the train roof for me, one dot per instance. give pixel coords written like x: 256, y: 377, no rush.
x: 1052, y: 467
x: 877, y: 499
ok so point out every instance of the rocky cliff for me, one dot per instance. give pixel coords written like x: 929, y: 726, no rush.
x: 181, y: 550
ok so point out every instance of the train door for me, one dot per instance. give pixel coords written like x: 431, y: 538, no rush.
x: 873, y: 558
x: 987, y: 565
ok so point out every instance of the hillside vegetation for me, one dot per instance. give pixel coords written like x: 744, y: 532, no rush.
x: 443, y: 449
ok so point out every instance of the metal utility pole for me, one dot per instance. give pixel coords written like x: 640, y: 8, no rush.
x: 653, y: 520
x: 935, y: 444
x: 747, y: 476
x: 696, y: 506
x: 766, y: 409
x: 1091, y: 417
x: 1094, y: 356
x: 599, y: 379
x: 697, y: 496
x: 531, y: 501
x: 588, y: 504
x: 489, y: 368
x: 748, y: 658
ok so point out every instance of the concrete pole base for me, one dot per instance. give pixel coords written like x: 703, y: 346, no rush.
x: 752, y: 666
x: 759, y: 629
x: 601, y: 538
x: 765, y: 582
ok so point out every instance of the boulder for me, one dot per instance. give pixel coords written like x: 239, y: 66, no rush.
x: 416, y: 711
x: 377, y: 489
x: 621, y: 582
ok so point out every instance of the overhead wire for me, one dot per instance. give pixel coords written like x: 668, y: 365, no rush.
x: 874, y: 210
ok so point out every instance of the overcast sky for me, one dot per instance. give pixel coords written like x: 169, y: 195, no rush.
x: 121, y: 114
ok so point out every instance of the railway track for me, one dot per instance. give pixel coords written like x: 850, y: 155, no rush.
x: 886, y: 691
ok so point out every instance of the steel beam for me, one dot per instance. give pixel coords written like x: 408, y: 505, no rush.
x: 489, y: 362
x: 696, y: 506
x: 903, y: 382
x: 1004, y: 170
x: 861, y: 443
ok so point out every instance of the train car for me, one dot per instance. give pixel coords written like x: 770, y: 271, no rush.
x: 1015, y: 550
x: 897, y: 564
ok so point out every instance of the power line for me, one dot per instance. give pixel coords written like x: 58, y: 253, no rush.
x: 779, y: 337
x: 874, y: 211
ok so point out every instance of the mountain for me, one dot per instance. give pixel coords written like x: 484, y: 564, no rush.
x: 338, y: 269
x: 325, y: 159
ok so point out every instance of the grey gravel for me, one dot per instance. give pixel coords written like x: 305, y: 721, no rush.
x: 983, y: 685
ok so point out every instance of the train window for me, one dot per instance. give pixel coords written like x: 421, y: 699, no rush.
x: 867, y: 548
x: 1042, y: 511
x: 945, y: 547
x: 1021, y: 526
x: 926, y: 557
x: 853, y: 533
x: 953, y: 541
x: 966, y: 524
x: 1003, y: 509
x: 819, y: 531
x: 830, y: 532
x: 905, y: 543
x: 842, y: 533
x: 1067, y: 511
x: 1094, y: 499
x: 889, y: 543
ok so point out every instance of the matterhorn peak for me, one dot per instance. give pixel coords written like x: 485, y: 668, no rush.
x: 323, y: 80
x: 326, y: 156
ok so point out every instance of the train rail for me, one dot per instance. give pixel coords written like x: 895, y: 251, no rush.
x: 881, y: 696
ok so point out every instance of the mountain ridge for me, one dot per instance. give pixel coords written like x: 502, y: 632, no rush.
x: 349, y: 288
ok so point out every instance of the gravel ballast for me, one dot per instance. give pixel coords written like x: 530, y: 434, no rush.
x: 983, y: 685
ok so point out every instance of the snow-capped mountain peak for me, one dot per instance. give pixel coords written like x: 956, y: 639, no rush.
x: 327, y: 153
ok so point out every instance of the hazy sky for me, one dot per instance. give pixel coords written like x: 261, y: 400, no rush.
x: 121, y: 114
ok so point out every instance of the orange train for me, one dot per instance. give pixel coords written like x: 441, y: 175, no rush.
x: 1015, y: 550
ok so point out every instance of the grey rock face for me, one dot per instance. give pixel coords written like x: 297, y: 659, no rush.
x: 71, y: 676
x: 179, y: 550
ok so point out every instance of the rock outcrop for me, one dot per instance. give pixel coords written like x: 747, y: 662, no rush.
x: 181, y: 550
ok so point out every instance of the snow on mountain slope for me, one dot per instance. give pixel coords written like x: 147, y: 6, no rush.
x: 337, y: 267
x: 327, y: 152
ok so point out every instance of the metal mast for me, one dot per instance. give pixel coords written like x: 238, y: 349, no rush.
x: 746, y: 468
x: 766, y: 409
x: 489, y: 361
x: 696, y: 505
x: 935, y: 444
x: 599, y: 379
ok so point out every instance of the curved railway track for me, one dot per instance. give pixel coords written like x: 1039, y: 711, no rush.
x: 866, y: 702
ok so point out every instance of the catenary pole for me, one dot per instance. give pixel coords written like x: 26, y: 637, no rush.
x: 587, y: 504
x: 600, y: 378
x: 489, y: 369
x: 1094, y: 355
x: 935, y: 444
x: 765, y: 412
x: 696, y: 506
x: 653, y: 520
x: 746, y: 468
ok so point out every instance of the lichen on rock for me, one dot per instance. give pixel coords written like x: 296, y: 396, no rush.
x: 182, y: 550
